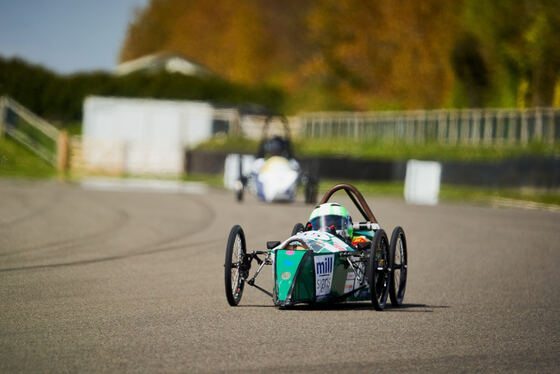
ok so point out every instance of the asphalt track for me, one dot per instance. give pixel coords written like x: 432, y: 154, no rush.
x: 97, y: 281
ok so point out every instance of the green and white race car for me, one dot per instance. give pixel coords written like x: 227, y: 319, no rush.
x: 328, y: 260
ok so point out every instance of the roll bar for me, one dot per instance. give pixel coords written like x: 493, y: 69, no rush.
x: 264, y: 135
x: 356, y: 197
x: 268, y: 121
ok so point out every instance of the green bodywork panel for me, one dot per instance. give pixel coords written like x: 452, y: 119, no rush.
x: 299, y: 279
x: 303, y: 288
x: 367, y: 234
x: 287, y: 263
x: 317, y: 271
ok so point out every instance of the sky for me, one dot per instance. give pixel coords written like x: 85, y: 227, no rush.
x: 66, y: 36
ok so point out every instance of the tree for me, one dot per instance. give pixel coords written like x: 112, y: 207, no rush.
x: 358, y: 54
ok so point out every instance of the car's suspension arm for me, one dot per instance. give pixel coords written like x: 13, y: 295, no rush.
x: 262, y: 263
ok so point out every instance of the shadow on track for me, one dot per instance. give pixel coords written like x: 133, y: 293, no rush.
x: 408, y: 308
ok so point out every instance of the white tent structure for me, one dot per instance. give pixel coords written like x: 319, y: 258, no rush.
x: 169, y: 62
x: 142, y: 136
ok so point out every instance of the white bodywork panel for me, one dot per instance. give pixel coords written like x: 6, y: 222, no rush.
x: 276, y: 178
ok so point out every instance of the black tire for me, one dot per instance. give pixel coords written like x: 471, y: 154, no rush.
x: 240, y: 186
x: 298, y: 227
x: 378, y: 270
x: 239, y: 195
x: 399, y: 266
x: 236, y: 267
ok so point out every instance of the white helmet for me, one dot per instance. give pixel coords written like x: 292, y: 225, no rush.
x: 327, y: 216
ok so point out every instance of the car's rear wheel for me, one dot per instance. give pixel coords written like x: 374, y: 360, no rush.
x: 298, y: 227
x: 239, y: 189
x: 399, y: 266
x: 378, y: 270
x: 236, y: 266
x: 239, y: 195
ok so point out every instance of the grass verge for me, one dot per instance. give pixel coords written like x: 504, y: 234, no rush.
x: 379, y: 150
x: 448, y: 193
x: 17, y: 161
x: 454, y: 193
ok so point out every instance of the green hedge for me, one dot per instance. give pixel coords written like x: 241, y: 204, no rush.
x: 60, y: 98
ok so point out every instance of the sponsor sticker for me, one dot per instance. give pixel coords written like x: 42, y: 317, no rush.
x: 319, y: 235
x: 315, y: 245
x: 289, y: 253
x: 324, y: 266
x: 286, y: 275
x: 339, y: 247
x: 349, y: 285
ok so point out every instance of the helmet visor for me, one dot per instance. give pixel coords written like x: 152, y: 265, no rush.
x: 325, y: 222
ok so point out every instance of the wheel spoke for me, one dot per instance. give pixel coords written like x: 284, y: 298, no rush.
x: 236, y: 261
x: 398, y: 266
x: 235, y: 271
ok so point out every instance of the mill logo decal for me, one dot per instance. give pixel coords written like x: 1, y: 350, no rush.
x: 324, y: 266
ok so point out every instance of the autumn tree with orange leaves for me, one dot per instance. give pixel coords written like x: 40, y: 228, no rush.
x: 364, y: 55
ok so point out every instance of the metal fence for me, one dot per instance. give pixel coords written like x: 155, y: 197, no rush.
x: 30, y: 130
x: 468, y: 126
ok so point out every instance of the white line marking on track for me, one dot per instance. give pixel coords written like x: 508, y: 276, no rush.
x: 143, y: 185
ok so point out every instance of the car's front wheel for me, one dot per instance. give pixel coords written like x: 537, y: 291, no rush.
x: 236, y: 268
x: 378, y: 269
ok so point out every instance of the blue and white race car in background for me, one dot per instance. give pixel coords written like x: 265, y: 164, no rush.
x: 273, y: 175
